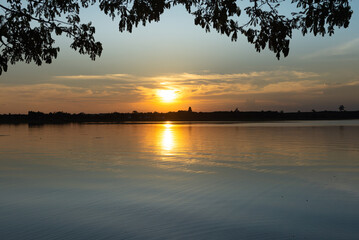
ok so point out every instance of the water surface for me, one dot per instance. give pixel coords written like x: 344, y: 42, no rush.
x: 279, y: 180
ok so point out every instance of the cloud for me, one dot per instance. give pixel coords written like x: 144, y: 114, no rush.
x: 282, y: 88
x: 59, y: 97
x: 187, y: 78
x: 118, y: 76
x: 293, y: 86
x: 224, y: 84
x: 271, y: 90
x: 345, y: 49
x: 244, y: 81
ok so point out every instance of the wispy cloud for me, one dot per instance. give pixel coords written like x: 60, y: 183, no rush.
x: 194, y: 85
x: 59, y: 97
x: 208, y: 91
x: 345, y: 49
x: 118, y: 76
x: 187, y: 78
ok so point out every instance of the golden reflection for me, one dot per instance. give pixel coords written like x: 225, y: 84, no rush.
x: 168, y: 141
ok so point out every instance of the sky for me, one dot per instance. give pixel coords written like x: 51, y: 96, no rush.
x: 173, y: 64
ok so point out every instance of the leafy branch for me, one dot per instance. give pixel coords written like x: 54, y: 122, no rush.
x: 27, y: 27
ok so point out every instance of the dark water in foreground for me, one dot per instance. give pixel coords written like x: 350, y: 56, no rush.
x: 295, y: 180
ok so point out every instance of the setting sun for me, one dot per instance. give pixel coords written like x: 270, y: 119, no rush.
x: 167, y: 95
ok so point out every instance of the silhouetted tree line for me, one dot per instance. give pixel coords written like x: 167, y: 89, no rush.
x: 63, y: 117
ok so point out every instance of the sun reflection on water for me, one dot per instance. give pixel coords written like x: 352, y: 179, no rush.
x: 167, y: 139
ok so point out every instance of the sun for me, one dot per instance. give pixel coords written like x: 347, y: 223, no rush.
x: 167, y: 95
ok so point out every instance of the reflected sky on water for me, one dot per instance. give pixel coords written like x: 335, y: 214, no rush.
x: 288, y: 180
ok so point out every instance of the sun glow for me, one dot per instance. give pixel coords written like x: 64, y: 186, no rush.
x: 167, y: 95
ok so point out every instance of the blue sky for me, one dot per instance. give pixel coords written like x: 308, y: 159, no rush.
x: 206, y: 71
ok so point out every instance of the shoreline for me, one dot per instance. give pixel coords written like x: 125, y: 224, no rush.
x: 188, y: 116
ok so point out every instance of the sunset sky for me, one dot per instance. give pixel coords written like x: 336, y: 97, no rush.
x: 173, y: 64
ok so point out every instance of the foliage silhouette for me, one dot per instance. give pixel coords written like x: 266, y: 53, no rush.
x: 27, y: 26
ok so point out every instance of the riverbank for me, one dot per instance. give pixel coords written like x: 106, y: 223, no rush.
x: 62, y: 117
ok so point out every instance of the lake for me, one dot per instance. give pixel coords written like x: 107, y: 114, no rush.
x: 180, y: 180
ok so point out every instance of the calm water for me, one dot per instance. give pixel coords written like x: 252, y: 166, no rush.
x: 289, y: 180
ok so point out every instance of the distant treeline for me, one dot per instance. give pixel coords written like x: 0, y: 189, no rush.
x: 63, y: 117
